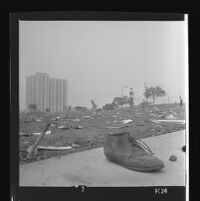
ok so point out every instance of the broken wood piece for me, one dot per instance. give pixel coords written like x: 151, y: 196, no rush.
x: 115, y: 127
x: 52, y: 148
x: 31, y: 149
x: 170, y: 120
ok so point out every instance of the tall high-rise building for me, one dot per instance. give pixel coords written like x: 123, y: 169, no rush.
x: 44, y: 93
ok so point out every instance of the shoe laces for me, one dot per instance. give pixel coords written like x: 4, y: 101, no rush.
x: 140, y: 144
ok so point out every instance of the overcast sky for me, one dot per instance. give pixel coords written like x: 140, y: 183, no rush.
x: 98, y: 58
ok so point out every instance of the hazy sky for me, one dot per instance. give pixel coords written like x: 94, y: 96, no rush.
x: 98, y: 58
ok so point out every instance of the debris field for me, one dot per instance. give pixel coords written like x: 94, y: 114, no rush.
x: 75, y: 131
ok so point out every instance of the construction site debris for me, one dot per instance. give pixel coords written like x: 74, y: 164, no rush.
x: 38, y: 120
x: 54, y: 124
x: 63, y: 127
x: 116, y: 127
x: 75, y: 119
x: 86, y: 116
x: 52, y: 148
x: 77, y: 127
x: 170, y: 116
x: 126, y: 121
x: 36, y: 133
x: 65, y: 130
x: 169, y: 120
x: 47, y: 133
x: 56, y: 118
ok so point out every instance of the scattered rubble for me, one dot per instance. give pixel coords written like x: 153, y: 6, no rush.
x: 116, y: 127
x: 63, y: 127
x: 70, y: 127
x: 126, y: 121
x: 171, y: 116
x: 76, y: 120
x: 56, y: 118
x: 47, y: 133
x: 147, y: 122
x: 170, y: 120
x: 38, y: 120
x: 77, y: 127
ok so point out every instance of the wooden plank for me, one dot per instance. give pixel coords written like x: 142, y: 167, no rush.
x: 31, y: 149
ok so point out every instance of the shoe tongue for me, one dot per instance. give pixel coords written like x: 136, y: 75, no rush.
x: 138, y: 151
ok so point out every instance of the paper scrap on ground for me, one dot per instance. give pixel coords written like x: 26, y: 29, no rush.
x: 38, y: 120
x: 54, y: 124
x: 171, y: 116
x: 75, y: 119
x: 36, y: 133
x: 63, y: 127
x: 47, y: 133
x: 126, y: 121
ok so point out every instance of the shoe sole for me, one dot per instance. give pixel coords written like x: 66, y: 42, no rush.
x: 139, y: 169
x: 154, y: 169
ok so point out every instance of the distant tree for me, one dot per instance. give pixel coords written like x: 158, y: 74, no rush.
x: 156, y: 92
x: 118, y: 101
x: 147, y: 93
x: 108, y: 106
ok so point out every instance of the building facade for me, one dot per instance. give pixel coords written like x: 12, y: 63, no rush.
x: 46, y: 94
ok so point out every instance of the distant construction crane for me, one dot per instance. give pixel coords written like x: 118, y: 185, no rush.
x: 94, y: 105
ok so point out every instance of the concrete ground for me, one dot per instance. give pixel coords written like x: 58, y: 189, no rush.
x: 90, y: 168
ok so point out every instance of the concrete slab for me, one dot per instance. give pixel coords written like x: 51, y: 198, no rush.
x: 90, y: 168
